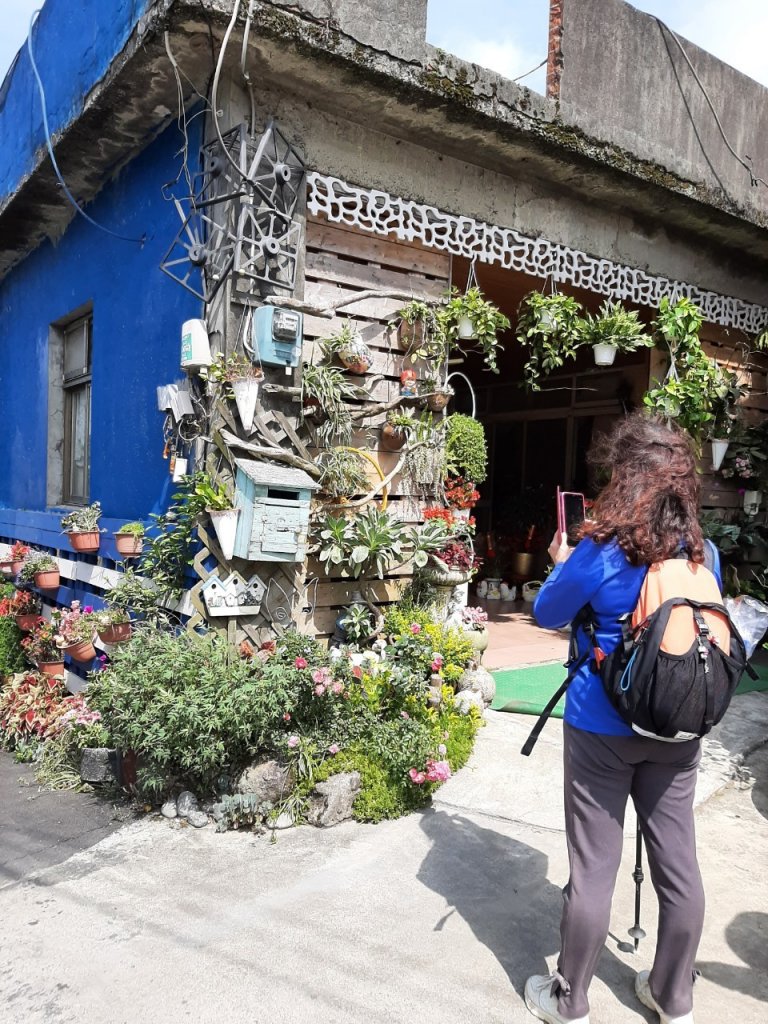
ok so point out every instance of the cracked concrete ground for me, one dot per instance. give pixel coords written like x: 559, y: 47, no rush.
x: 439, y: 916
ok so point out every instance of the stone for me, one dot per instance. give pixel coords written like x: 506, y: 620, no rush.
x: 186, y: 802
x: 435, y: 696
x: 270, y: 781
x: 466, y: 699
x: 283, y: 820
x: 331, y: 801
x: 169, y: 809
x: 480, y: 681
x: 217, y: 812
x: 197, y: 819
x: 97, y: 764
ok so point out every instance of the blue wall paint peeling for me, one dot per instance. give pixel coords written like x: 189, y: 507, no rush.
x: 74, y: 43
x: 137, y: 316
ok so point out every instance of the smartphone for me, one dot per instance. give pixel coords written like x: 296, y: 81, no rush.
x: 570, y: 514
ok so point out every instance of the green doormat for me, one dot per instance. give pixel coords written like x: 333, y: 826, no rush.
x: 760, y: 665
x: 527, y: 690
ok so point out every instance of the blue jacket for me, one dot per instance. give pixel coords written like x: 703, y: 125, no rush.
x: 599, y: 575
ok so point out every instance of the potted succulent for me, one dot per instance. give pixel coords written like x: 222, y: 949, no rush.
x: 394, y: 430
x: 129, y: 539
x: 42, y: 569
x: 41, y: 646
x: 81, y: 526
x: 472, y: 317
x: 348, y: 346
x: 75, y: 633
x: 343, y: 474
x: 548, y: 326
x: 19, y: 552
x: 435, y: 395
x: 25, y: 607
x: 113, y: 625
x: 474, y: 625
x: 243, y: 379
x: 222, y: 511
x: 325, y: 392
x: 614, y: 329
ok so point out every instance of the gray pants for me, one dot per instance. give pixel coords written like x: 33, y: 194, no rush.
x: 600, y: 773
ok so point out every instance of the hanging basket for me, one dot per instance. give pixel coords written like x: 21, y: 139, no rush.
x: 466, y: 329
x: 116, y: 633
x: 128, y: 544
x: 225, y: 524
x: 604, y: 354
x: 82, y: 651
x: 246, y: 394
x: 410, y: 335
x: 438, y: 400
x: 719, y: 448
x: 356, y: 356
x: 85, y: 542
x: 50, y: 579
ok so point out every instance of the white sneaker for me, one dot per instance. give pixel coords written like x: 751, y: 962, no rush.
x: 643, y: 992
x: 542, y: 1004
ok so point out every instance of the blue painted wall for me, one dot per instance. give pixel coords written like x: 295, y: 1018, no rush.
x: 137, y: 316
x: 74, y: 43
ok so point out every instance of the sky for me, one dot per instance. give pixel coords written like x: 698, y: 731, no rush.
x: 510, y: 36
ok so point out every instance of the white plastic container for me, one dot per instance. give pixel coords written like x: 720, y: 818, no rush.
x: 604, y: 354
x: 719, y: 448
x: 225, y: 524
x: 466, y: 328
x: 246, y: 394
x: 195, y: 347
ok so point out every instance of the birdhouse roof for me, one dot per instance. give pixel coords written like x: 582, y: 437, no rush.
x: 276, y: 476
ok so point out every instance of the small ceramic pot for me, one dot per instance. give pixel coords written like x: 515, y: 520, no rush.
x: 356, y: 356
x: 604, y: 354
x: 437, y: 401
x: 494, y: 589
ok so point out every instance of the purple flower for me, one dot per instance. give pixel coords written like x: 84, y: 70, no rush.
x: 293, y: 741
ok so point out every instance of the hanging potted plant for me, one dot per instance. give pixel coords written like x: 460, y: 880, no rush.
x: 613, y: 330
x: 472, y: 317
x: 394, y: 430
x: 130, y: 595
x: 113, y: 625
x: 241, y: 379
x: 25, y: 608
x: 222, y: 511
x: 451, y: 565
x: 417, y: 322
x: 325, y: 394
x: 40, y: 569
x: 436, y: 395
x: 81, y: 526
x: 424, y: 459
x: 725, y: 414
x: 548, y: 326
x: 129, y: 539
x: 343, y: 475
x: 41, y: 647
x: 466, y: 450
x: 19, y: 552
x: 76, y: 628
x: 348, y: 346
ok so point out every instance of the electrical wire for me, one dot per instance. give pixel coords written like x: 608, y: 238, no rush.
x: 521, y: 77
x: 215, y: 89
x: 181, y: 120
x: 754, y: 179
x: 49, y: 144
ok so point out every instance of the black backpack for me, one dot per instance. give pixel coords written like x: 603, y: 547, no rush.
x: 672, y: 697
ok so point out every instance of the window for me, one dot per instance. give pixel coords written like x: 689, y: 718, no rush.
x: 76, y: 387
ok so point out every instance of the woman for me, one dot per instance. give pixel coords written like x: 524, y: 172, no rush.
x: 646, y: 513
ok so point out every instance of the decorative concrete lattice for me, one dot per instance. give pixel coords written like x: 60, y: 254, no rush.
x: 384, y: 214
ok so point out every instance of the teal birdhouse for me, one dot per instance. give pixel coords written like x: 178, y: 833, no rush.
x: 274, y: 504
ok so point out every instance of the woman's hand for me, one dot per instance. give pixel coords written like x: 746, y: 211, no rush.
x: 559, y: 549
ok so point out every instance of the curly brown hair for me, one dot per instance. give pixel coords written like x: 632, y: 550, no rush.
x: 650, y: 504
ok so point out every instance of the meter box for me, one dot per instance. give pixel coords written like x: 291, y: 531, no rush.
x: 274, y: 502
x: 277, y: 336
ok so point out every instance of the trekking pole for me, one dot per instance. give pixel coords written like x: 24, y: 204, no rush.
x: 636, y: 931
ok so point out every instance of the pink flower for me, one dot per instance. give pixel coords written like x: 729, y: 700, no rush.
x: 88, y: 609
x: 418, y: 777
x: 334, y: 748
x: 320, y: 689
x: 404, y: 714
x: 415, y: 628
x: 357, y: 672
x: 437, y: 664
x: 293, y: 741
x: 337, y: 687
x: 286, y: 717
x: 321, y: 675
x: 438, y: 771
x: 300, y: 663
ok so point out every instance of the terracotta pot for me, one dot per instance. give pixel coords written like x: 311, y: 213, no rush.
x: 82, y: 651
x: 84, y: 542
x: 129, y: 544
x: 392, y: 438
x: 117, y: 633
x: 27, y: 622
x: 6, y: 568
x: 48, y: 580
x: 51, y: 668
x: 438, y: 401
x: 16, y: 566
x: 410, y: 335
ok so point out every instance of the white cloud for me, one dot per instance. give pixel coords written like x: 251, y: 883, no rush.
x: 504, y: 56
x: 735, y: 32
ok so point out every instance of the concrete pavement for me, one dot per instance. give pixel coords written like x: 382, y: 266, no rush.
x: 438, y: 917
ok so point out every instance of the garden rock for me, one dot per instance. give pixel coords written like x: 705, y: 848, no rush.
x: 467, y: 699
x: 283, y: 820
x: 97, y: 764
x: 480, y: 681
x: 197, y: 819
x: 169, y: 810
x: 270, y: 781
x: 331, y: 801
x: 186, y: 802
x: 435, y: 696
x: 217, y: 812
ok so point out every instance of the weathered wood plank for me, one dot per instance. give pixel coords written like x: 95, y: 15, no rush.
x: 362, y: 246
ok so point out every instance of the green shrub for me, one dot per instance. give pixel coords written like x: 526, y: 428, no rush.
x: 11, y: 651
x: 466, y: 451
x: 381, y: 795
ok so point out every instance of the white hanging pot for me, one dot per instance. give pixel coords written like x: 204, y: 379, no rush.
x: 225, y: 524
x: 180, y: 469
x: 752, y: 502
x: 604, y: 354
x: 246, y: 393
x: 466, y: 328
x: 719, y: 448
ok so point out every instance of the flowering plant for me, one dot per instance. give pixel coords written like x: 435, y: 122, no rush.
x: 438, y: 512
x: 19, y: 551
x: 458, y: 554
x: 23, y: 602
x: 83, y: 520
x: 434, y: 771
x: 110, y: 617
x: 73, y: 714
x: 461, y: 493
x: 40, y: 646
x: 76, y: 625
x: 26, y: 706
x: 474, y: 618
